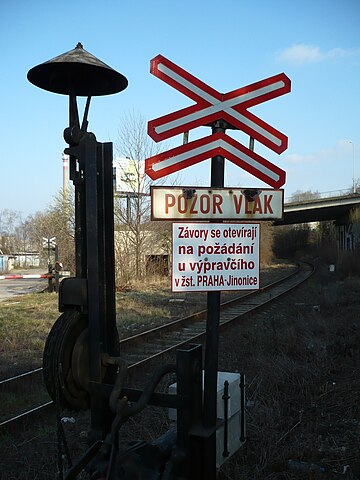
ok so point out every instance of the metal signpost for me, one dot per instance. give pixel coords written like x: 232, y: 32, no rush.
x: 50, y: 244
x: 220, y: 112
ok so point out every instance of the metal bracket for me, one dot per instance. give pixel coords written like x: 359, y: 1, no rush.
x: 226, y: 398
x: 189, y: 193
x: 251, y: 194
x: 73, y: 294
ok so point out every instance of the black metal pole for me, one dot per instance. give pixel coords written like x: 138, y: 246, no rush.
x: 95, y: 290
x: 108, y: 248
x: 77, y: 175
x: 107, y: 251
x: 50, y: 280
x: 57, y: 275
x: 212, y: 340
x: 80, y: 217
x: 101, y: 275
x: 189, y: 387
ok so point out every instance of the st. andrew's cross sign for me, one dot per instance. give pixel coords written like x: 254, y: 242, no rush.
x: 216, y: 144
x: 211, y: 106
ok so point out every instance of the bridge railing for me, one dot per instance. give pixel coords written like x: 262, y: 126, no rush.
x: 306, y: 196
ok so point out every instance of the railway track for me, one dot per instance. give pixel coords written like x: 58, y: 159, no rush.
x: 140, y: 348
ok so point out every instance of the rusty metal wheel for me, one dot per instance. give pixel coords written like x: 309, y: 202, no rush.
x: 65, y: 361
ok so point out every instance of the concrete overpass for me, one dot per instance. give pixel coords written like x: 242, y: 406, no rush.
x: 336, y: 208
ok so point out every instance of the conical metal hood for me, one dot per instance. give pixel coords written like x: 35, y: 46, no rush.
x: 79, y: 73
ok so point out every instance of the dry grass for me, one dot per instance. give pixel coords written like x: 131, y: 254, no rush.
x: 25, y: 321
x: 303, y: 386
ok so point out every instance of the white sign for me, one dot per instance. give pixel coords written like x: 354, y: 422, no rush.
x: 129, y: 175
x: 49, y: 242
x: 194, y: 203
x: 215, y: 256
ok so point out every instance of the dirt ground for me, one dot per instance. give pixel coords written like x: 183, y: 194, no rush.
x: 301, y: 360
x: 302, y: 364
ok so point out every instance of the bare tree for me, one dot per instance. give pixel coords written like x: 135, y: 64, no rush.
x: 56, y: 221
x: 301, y: 196
x: 9, y: 222
x: 355, y: 188
x: 136, y: 238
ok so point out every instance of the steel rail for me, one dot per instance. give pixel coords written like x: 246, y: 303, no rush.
x: 231, y: 311
x: 202, y: 314
x: 20, y: 375
x: 191, y: 318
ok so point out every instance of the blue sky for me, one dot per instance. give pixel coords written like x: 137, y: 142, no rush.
x: 226, y: 44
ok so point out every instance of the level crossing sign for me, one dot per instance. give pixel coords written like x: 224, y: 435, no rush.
x: 49, y: 242
x: 217, y: 144
x: 211, y: 106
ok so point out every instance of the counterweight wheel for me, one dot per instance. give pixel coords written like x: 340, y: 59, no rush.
x: 65, y: 361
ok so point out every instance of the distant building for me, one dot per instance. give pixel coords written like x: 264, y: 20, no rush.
x: 153, y: 255
x: 26, y: 260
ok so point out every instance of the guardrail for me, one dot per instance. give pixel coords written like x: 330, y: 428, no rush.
x: 306, y: 196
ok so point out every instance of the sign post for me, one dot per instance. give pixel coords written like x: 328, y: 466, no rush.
x: 220, y: 112
x: 212, y: 337
x: 50, y: 244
